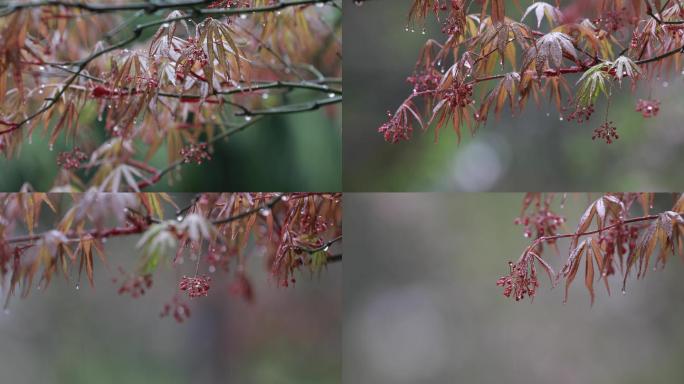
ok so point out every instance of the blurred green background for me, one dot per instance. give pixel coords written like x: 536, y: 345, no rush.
x: 93, y: 335
x: 534, y: 151
x: 421, y: 303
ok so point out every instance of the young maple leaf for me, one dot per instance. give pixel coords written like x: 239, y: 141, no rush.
x: 542, y: 9
x: 548, y: 51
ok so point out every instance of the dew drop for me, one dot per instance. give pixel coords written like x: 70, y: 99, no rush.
x: 51, y: 147
x: 326, y: 248
x: 264, y: 96
x: 212, y: 269
x: 331, y: 95
x: 78, y: 286
x: 179, y: 218
x: 624, y: 292
x: 264, y: 212
x: 248, y: 118
x: 243, y: 16
x: 561, y: 118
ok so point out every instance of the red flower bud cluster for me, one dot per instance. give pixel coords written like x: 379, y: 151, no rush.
x: 648, y: 108
x: 607, y: 131
x: 521, y: 281
x: 195, y: 153
x: 71, y: 160
x: 396, y: 129
x: 197, y: 286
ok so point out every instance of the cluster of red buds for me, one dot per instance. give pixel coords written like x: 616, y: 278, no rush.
x: 176, y: 308
x: 424, y: 81
x: 72, y: 159
x: 195, y: 55
x: 135, y: 285
x: 543, y: 221
x: 229, y: 4
x: 648, y: 108
x: 460, y: 95
x: 611, y: 21
x: 196, y: 286
x: 195, y: 153
x: 521, y: 281
x: 313, y: 224
x: 396, y: 129
x: 607, y: 131
x: 577, y: 112
x: 620, y: 239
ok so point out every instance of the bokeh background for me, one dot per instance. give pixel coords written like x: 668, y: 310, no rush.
x: 93, y: 335
x: 534, y: 151
x: 421, y: 303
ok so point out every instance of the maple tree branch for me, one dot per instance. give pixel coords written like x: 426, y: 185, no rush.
x: 539, y: 240
x: 73, y: 235
x: 660, y: 21
x: 269, y: 205
x: 324, y: 246
x: 140, y: 227
x: 137, y: 32
x: 151, y: 7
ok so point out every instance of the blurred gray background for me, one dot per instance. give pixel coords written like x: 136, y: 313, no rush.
x: 421, y: 303
x: 64, y: 335
x: 534, y: 151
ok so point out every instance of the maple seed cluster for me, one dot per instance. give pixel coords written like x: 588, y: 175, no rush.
x: 195, y: 153
x: 197, y: 286
x: 521, y: 281
x: 72, y: 159
x: 607, y: 132
x: 648, y: 108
